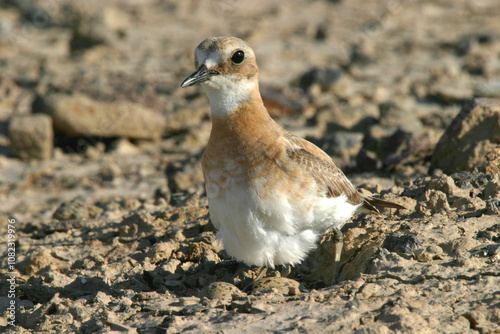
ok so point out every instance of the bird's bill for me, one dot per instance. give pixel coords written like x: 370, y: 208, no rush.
x: 200, y: 75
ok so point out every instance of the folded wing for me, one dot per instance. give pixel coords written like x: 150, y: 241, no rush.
x: 321, y: 167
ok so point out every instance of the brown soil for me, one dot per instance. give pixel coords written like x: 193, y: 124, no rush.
x: 113, y: 234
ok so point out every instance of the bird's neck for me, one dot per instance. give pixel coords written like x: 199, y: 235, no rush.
x: 227, y: 96
x: 249, y: 122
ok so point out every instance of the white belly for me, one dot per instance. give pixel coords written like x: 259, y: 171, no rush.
x: 276, y: 229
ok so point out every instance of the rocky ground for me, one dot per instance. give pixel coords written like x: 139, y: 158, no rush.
x: 100, y: 165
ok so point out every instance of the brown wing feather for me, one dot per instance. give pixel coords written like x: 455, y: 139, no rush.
x: 312, y: 159
x: 380, y: 202
x: 319, y: 164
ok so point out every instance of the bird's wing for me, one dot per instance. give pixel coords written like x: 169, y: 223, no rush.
x: 319, y: 165
x: 312, y: 159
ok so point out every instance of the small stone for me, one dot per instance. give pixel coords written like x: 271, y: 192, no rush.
x: 392, y: 116
x: 221, y: 290
x: 449, y: 92
x: 492, y: 189
x: 75, y: 209
x: 185, y: 301
x: 192, y: 309
x: 293, y: 291
x: 476, y: 318
x: 31, y: 136
x: 490, y: 89
x: 428, y: 253
x: 401, y: 243
x: 123, y: 146
x: 493, y: 206
x: 281, y: 285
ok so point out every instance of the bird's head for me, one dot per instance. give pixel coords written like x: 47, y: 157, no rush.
x: 227, y: 70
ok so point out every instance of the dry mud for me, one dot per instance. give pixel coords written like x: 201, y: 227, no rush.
x: 112, y: 227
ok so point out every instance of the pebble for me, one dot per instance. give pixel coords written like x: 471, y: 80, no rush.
x: 493, y: 206
x: 393, y: 115
x: 31, y: 136
x: 401, y: 243
x: 74, y: 209
x: 222, y: 291
x: 280, y: 285
x: 490, y: 89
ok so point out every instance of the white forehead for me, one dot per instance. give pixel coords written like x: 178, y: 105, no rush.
x: 211, y: 58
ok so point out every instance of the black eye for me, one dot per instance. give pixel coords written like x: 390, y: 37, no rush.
x: 238, y: 57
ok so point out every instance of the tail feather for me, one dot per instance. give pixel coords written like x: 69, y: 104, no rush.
x: 369, y: 204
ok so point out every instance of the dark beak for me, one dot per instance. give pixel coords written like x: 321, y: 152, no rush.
x: 200, y: 75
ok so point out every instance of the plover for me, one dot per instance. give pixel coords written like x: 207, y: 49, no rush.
x: 271, y: 194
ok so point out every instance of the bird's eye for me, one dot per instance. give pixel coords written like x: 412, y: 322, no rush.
x: 238, y: 57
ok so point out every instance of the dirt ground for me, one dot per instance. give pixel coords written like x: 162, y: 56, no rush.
x: 100, y: 165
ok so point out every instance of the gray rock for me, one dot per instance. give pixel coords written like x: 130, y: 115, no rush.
x: 493, y: 206
x: 75, y: 209
x: 279, y: 284
x: 221, y: 290
x: 78, y: 115
x: 392, y: 115
x: 31, y: 136
x: 490, y: 89
x: 401, y: 243
x: 448, y: 92
x: 470, y: 137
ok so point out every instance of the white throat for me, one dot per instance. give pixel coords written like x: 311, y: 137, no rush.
x: 226, y: 93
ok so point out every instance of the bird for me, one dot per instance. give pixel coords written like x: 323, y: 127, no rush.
x: 271, y: 194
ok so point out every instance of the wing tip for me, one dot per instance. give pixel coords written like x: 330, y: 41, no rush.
x: 369, y: 207
x: 372, y: 201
